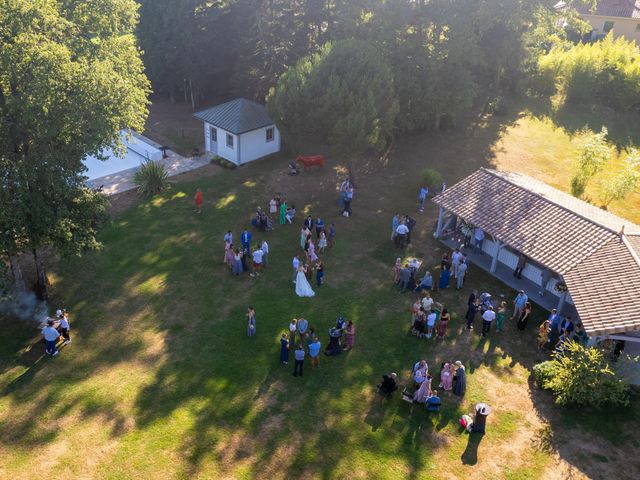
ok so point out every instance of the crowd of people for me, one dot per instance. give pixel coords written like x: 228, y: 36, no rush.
x: 54, y: 330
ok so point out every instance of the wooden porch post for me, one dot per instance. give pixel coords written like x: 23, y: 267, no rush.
x: 494, y: 260
x: 561, y: 301
x: 441, y: 212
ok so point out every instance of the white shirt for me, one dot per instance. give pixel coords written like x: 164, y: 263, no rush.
x: 64, y: 323
x: 402, y: 229
x: 431, y: 319
x: 296, y: 263
x: 426, y: 303
x: 257, y: 256
x: 265, y: 247
x: 479, y: 234
x: 293, y: 327
x: 489, y: 316
x: 462, y: 269
x: 455, y: 258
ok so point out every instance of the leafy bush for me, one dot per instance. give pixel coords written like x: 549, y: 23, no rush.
x: 431, y: 177
x: 582, y: 376
x: 223, y: 162
x: 605, y: 72
x: 594, y: 155
x: 151, y: 178
x: 544, y: 372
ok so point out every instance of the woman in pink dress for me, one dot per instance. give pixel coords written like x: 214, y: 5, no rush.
x: 446, y: 376
x: 349, y: 336
x: 424, y: 391
x: 228, y: 254
x: 312, y: 251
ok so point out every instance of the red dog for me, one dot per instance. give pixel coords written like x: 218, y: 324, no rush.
x: 312, y: 161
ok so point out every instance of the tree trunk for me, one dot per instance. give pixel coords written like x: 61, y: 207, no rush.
x: 41, y: 277
x: 193, y: 102
x: 185, y: 91
x: 16, y: 272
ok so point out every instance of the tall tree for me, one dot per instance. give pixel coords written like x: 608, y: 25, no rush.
x: 343, y: 96
x: 71, y: 77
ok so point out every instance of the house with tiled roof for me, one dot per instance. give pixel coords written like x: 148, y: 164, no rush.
x: 622, y: 17
x: 239, y: 131
x: 579, y: 258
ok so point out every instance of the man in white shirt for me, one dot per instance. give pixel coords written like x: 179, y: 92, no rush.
x: 478, y: 236
x: 487, y: 317
x: 427, y: 302
x: 295, y: 263
x: 401, y: 235
x: 456, y: 256
x: 265, y: 252
x: 257, y: 262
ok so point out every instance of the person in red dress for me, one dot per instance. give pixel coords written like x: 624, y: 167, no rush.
x: 199, y: 200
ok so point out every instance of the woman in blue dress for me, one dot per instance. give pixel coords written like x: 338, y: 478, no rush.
x: 444, y: 278
x: 236, y: 267
x: 284, y: 349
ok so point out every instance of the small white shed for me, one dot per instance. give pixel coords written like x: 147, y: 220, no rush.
x: 239, y: 131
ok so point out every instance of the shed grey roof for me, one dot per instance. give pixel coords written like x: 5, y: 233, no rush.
x: 237, y: 116
x: 612, y: 8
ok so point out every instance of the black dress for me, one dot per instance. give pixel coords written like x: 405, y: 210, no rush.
x: 522, y: 321
x: 460, y: 382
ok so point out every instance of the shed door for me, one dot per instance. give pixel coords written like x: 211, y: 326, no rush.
x: 213, y: 138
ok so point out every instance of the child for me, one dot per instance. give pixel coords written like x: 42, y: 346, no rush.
x: 320, y: 274
x: 199, y: 201
x: 251, y: 322
x: 63, y: 327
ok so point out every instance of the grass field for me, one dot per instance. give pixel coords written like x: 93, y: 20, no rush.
x: 161, y: 381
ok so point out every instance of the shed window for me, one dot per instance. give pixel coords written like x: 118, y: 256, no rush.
x: 608, y: 26
x: 214, y: 134
x: 270, y: 134
x: 229, y: 140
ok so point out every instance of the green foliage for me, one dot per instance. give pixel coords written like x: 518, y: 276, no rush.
x: 432, y: 177
x: 581, y: 376
x: 624, y: 182
x: 151, y: 178
x: 223, y: 162
x: 544, y: 372
x: 605, y: 72
x: 343, y: 95
x: 70, y: 78
x: 594, y: 155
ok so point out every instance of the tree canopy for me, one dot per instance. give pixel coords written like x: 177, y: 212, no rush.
x: 71, y: 77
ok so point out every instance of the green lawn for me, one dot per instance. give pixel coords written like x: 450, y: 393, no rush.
x: 161, y: 381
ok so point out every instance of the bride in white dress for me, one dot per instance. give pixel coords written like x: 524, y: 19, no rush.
x: 303, y: 289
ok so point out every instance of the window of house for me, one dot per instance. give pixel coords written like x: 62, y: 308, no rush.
x: 214, y: 134
x: 229, y: 140
x: 269, y: 134
x: 608, y: 26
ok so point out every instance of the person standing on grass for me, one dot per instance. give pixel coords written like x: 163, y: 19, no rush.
x: 518, y: 304
x: 348, y: 198
x: 251, y: 322
x: 471, y: 314
x: 309, y: 223
x: 456, y: 258
x: 395, y: 221
x: 64, y: 327
x: 257, y: 262
x: 502, y: 313
x: 299, y: 360
x: 228, y: 237
x: 331, y: 238
x: 396, y: 270
x: 314, y: 352
x: 431, y: 322
x: 422, y: 196
x: 284, y: 349
x: 199, y: 200
x: 322, y: 242
x: 303, y: 325
x: 265, y: 253
x: 487, y: 317
x: 295, y: 263
x: 245, y: 239
x: 344, y: 186
x: 405, y: 277
x: 401, y: 235
x: 462, y: 271
x: 293, y: 329
x: 283, y: 213
x: 349, y: 336
x: 441, y: 329
x: 524, y: 316
x: 319, y: 274
x: 319, y: 227
x: 273, y: 207
x: 51, y: 336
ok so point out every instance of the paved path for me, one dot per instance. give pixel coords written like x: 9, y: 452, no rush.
x: 123, y: 181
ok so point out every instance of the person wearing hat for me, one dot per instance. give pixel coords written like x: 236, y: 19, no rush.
x: 459, y: 379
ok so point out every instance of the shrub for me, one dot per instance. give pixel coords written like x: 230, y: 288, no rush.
x: 582, y: 376
x: 544, y: 372
x: 223, y: 162
x: 432, y: 177
x: 151, y: 178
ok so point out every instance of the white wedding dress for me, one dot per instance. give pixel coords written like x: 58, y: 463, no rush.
x: 303, y: 289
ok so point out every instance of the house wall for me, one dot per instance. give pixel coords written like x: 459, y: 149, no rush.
x: 622, y: 27
x: 254, y: 145
x: 230, y: 154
